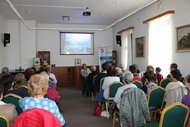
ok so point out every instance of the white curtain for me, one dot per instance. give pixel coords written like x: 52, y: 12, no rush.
x: 126, y: 49
x: 160, y: 43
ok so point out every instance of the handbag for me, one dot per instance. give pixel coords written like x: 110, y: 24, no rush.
x: 97, y: 110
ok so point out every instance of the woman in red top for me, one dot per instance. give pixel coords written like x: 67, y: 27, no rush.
x: 159, y: 76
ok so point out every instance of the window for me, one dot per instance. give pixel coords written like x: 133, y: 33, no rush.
x: 160, y: 43
x: 126, y: 49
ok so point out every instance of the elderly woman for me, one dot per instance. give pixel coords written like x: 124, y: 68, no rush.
x: 132, y: 104
x: 38, y: 87
x: 127, y: 80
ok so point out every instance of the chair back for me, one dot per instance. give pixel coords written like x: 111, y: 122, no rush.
x: 138, y: 84
x: 4, y: 121
x: 94, y: 79
x: 36, y: 117
x: 156, y: 97
x: 165, y: 82
x: 113, y: 89
x: 101, y: 83
x: 174, y: 115
x: 13, y: 99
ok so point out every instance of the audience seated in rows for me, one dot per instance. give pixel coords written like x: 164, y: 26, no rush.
x: 175, y: 90
x: 133, y: 70
x: 9, y: 86
x: 38, y: 88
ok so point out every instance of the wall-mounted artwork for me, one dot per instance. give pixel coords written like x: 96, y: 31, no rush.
x: 140, y: 42
x: 77, y: 62
x: 183, y: 38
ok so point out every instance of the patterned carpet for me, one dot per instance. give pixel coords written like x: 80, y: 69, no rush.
x: 77, y: 110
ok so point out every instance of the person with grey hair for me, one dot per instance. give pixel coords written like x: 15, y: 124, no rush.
x: 5, y: 71
x: 127, y: 78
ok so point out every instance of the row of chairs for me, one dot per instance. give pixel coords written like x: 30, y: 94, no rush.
x: 156, y: 98
x: 163, y: 83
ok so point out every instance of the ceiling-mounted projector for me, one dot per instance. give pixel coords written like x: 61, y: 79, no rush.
x: 86, y: 13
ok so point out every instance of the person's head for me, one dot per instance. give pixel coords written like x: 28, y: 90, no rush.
x: 37, y: 85
x: 45, y: 75
x: 158, y: 69
x: 9, y: 84
x: 150, y: 76
x: 176, y: 75
x: 116, y: 71
x: 173, y: 66
x: 5, y: 71
x: 93, y: 68
x: 104, y: 67
x: 127, y: 77
x: 1, y: 93
x: 187, y: 82
x: 132, y: 69
x: 20, y: 79
x: 28, y: 73
x: 149, y: 68
x: 84, y: 66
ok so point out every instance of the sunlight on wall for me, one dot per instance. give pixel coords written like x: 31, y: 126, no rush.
x: 160, y: 43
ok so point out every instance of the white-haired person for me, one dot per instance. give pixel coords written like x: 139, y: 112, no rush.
x: 132, y: 103
x: 38, y: 87
x: 127, y: 80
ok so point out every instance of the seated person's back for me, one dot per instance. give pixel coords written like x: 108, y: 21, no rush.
x: 8, y: 110
x: 38, y: 86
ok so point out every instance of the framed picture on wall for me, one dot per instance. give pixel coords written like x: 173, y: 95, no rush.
x: 140, y: 42
x: 183, y: 38
x: 77, y: 62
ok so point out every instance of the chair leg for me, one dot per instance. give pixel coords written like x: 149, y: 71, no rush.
x: 113, y: 121
x: 106, y: 106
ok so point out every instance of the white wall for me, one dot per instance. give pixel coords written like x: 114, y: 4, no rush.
x: 49, y: 40
x: 25, y: 43
x: 2, y: 49
x: 180, y: 18
x: 22, y: 47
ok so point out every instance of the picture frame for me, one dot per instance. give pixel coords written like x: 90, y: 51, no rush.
x: 77, y: 62
x: 140, y: 45
x: 183, y: 38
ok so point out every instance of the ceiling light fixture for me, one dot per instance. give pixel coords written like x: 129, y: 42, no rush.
x: 86, y: 13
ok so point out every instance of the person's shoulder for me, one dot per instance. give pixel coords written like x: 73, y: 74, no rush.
x: 7, y: 107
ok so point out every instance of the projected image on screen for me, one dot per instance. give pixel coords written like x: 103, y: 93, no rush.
x: 77, y: 43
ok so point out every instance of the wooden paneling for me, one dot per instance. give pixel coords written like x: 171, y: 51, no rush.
x: 68, y: 76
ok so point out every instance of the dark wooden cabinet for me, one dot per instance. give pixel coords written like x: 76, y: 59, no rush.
x: 67, y: 76
x: 44, y: 57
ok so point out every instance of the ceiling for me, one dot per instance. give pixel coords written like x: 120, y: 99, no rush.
x: 103, y: 12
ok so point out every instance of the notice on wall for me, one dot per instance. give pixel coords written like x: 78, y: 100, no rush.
x: 105, y: 54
